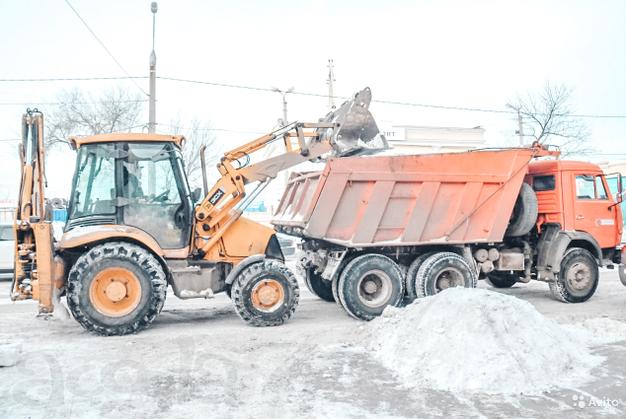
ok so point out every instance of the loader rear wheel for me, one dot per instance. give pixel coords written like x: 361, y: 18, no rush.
x: 368, y: 284
x: 265, y: 293
x: 441, y: 271
x: 578, y: 279
x: 116, y: 288
x: 501, y: 279
x: 411, y: 292
x: 318, y: 285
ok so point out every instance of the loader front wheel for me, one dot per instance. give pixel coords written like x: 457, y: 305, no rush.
x: 116, y: 288
x: 265, y: 293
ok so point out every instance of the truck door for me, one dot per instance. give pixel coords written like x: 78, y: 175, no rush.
x: 593, y: 211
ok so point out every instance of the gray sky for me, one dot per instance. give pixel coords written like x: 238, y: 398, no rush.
x: 476, y: 54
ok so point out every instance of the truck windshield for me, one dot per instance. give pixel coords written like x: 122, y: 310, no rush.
x: 94, y: 188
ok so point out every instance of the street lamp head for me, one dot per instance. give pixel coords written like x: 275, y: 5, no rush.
x: 289, y: 90
x: 154, y: 7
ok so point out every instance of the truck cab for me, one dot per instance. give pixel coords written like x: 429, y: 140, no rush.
x: 575, y: 197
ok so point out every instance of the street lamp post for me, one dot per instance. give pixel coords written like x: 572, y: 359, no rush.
x: 152, y: 104
x: 284, y: 93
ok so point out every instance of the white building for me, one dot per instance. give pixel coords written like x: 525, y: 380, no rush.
x: 412, y: 139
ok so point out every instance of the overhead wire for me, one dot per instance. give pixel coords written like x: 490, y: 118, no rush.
x: 105, y: 47
x: 299, y: 93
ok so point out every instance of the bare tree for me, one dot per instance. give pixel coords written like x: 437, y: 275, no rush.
x: 547, y: 117
x: 80, y: 113
x: 197, y: 134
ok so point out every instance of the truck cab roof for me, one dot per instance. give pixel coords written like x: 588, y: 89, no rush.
x: 543, y: 166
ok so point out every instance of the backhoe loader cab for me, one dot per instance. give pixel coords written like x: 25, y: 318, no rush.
x: 133, y: 228
x: 140, y: 184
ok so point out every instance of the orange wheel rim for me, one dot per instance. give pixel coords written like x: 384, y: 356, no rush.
x: 267, y: 295
x: 115, y: 292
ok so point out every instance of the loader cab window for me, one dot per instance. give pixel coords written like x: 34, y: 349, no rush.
x: 155, y: 193
x: 94, y: 187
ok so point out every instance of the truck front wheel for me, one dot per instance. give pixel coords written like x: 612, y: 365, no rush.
x: 578, y: 279
x: 368, y: 284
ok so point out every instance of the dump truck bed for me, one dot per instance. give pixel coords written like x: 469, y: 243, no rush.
x: 450, y: 198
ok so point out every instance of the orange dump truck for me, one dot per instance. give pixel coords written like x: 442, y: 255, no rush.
x: 381, y: 230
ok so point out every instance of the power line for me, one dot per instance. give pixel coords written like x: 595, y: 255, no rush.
x: 295, y: 92
x: 104, y: 47
x: 176, y: 127
x: 387, y: 102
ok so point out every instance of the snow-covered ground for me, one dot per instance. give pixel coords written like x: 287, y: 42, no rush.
x: 200, y: 360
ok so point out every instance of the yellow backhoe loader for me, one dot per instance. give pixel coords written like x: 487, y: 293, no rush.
x: 134, y: 227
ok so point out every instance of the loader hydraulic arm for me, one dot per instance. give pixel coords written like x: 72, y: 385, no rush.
x: 33, y: 260
x: 343, y: 131
x: 227, y: 199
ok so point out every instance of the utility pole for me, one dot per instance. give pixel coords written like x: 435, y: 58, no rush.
x: 284, y: 93
x: 520, y: 128
x: 331, y: 92
x: 520, y: 123
x: 152, y: 103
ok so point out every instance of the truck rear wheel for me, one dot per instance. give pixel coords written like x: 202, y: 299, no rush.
x: 441, y: 271
x: 578, y: 279
x: 116, y: 288
x: 318, y: 285
x: 501, y: 279
x: 525, y: 212
x: 368, y: 284
x: 265, y: 293
x: 411, y: 292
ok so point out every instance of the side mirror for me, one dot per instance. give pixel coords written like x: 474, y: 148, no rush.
x: 196, y: 195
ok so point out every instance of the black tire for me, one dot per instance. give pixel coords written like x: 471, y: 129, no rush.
x: 260, y: 274
x: 318, y: 285
x: 525, y: 212
x: 501, y: 279
x: 385, y: 278
x: 116, y: 255
x: 334, y: 286
x: 411, y: 292
x: 578, y: 279
x: 443, y: 270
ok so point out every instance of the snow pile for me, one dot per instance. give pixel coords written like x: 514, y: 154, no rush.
x: 600, y: 330
x: 478, y: 340
x: 10, y: 354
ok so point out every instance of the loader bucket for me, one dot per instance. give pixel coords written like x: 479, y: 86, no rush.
x: 358, y: 133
